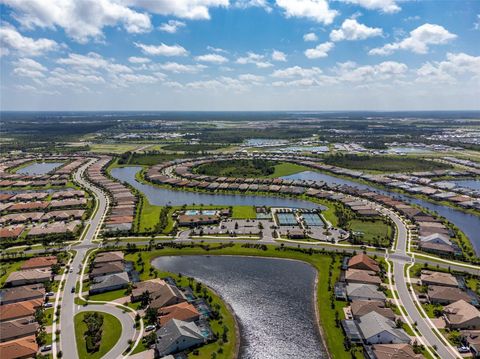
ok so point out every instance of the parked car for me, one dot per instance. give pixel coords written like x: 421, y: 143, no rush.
x: 463, y: 350
x: 49, y: 294
x: 72, y: 290
x: 46, y: 348
x: 149, y: 327
x: 48, y: 305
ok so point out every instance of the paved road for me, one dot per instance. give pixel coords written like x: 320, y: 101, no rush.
x: 128, y: 327
x: 68, y: 344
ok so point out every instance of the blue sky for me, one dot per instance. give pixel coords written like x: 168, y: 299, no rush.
x: 240, y: 54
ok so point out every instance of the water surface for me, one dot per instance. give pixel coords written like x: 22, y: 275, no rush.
x: 163, y: 196
x: 272, y: 299
x: 39, y: 168
x: 472, y: 184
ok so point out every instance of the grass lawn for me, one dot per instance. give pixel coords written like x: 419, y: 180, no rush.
x: 333, y: 334
x: 111, y: 331
x: 108, y: 296
x: 7, y: 268
x: 149, y: 216
x: 474, y: 284
x: 113, y: 148
x: 244, y: 212
x: 429, y: 308
x: 286, y: 169
x: 371, y: 231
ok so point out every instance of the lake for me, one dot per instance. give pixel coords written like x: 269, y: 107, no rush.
x: 472, y: 184
x: 468, y: 223
x: 39, y: 168
x: 272, y: 299
x: 163, y: 196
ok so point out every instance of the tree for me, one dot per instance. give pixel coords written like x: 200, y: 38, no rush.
x: 151, y: 315
x: 145, y: 299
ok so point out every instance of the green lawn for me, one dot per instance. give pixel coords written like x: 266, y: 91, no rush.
x: 429, y: 308
x: 108, y: 296
x: 286, y: 169
x: 244, y: 212
x: 111, y: 331
x: 149, y: 217
x: 8, y: 267
x: 333, y: 334
x: 113, y: 148
x: 371, y: 231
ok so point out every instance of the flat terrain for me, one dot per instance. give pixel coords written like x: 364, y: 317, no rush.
x: 371, y: 231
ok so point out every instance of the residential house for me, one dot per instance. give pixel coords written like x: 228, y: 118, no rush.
x: 376, y: 329
x: 19, y: 349
x: 108, y: 257
x: 358, y: 291
x: 181, y: 311
x: 359, y: 308
x: 151, y: 286
x: 364, y: 262
x: 23, y: 293
x: 106, y: 268
x: 19, y: 310
x: 446, y: 295
x: 438, y: 278
x: 39, y: 262
x: 177, y: 336
x: 18, y: 328
x: 362, y: 276
x: 461, y: 315
x: 29, y: 276
x: 109, y: 282
x: 167, y: 295
x: 394, y: 351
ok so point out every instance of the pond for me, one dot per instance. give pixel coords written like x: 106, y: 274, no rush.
x: 39, y: 168
x: 272, y: 299
x: 468, y: 223
x: 163, y: 196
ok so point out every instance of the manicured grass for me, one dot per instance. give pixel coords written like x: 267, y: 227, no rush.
x: 108, y: 296
x: 429, y: 308
x: 149, y: 217
x: 286, y: 169
x: 184, y: 147
x: 7, y: 268
x: 111, y: 331
x: 474, y: 284
x: 372, y: 231
x: 333, y: 335
x: 113, y: 148
x: 244, y: 212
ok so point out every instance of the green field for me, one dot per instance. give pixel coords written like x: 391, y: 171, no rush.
x: 244, y: 212
x: 184, y: 147
x: 384, y: 163
x: 111, y: 331
x: 113, y: 148
x: 286, y: 169
x: 371, y: 231
x: 333, y: 335
x: 7, y: 268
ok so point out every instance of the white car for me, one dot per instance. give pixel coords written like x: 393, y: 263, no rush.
x: 48, y: 305
x: 46, y: 348
x: 149, y: 328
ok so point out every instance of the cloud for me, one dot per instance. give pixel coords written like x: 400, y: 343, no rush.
x: 212, y: 58
x: 448, y: 70
x: 476, y: 24
x: 310, y: 37
x: 162, y: 49
x: 138, y: 60
x: 251, y: 78
x: 418, y: 41
x: 217, y: 49
x: 297, y: 71
x: 386, y: 6
x: 12, y: 41
x: 253, y: 58
x: 319, y: 51
x: 279, y: 56
x: 245, y: 4
x: 316, y: 10
x: 171, y: 26
x: 180, y: 68
x: 92, y: 61
x: 29, y: 68
x: 81, y: 20
x: 351, y: 29
x: 187, y: 9
x: 351, y: 72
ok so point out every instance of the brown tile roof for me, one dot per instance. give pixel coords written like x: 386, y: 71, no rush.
x: 20, y: 348
x: 438, y: 278
x: 22, y: 293
x: 29, y: 275
x: 152, y: 286
x: 11, y: 232
x: 181, y: 311
x: 17, y: 328
x: 361, y: 307
x: 167, y: 295
x: 362, y: 261
x: 361, y: 276
x: 395, y: 351
x: 39, y: 262
x: 19, y: 310
x: 101, y: 269
x: 450, y: 294
x: 461, y: 312
x: 104, y: 257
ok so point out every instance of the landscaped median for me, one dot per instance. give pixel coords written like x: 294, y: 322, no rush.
x: 96, y: 333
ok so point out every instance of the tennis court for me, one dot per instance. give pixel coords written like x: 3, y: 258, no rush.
x: 312, y: 219
x: 286, y: 219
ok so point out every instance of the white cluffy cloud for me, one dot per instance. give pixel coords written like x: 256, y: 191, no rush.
x: 180, y: 68
x: 296, y: 71
x: 162, y: 49
x: 212, y: 58
x: 138, y: 60
x: 386, y: 6
x: 186, y: 9
x: 29, y: 68
x: 12, y: 41
x: 319, y: 51
x: 317, y: 10
x: 92, y: 61
x: 351, y: 72
x: 448, y: 70
x: 81, y: 20
x: 279, y: 56
x: 171, y: 26
x: 351, y: 29
x: 253, y: 58
x: 418, y: 41
x: 311, y: 36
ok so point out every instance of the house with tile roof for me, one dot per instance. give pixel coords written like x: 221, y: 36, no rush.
x: 461, y: 315
x: 362, y: 261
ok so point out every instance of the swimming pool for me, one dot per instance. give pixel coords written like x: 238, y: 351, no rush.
x: 192, y: 212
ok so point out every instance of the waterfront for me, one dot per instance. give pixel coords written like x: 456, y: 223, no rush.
x: 467, y: 222
x: 263, y: 293
x: 39, y: 168
x: 163, y: 196
x: 472, y: 184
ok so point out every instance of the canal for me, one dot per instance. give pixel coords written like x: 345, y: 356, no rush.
x: 272, y: 299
